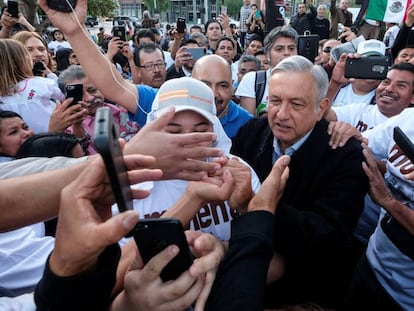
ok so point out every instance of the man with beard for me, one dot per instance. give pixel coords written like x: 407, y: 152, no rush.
x: 184, y: 63
x: 93, y: 99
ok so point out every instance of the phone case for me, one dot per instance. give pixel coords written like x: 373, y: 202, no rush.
x: 308, y: 46
x: 372, y: 67
x: 61, y: 5
x: 105, y: 139
x: 75, y: 91
x: 402, y: 140
x: 120, y: 31
x: 13, y: 8
x: 154, y: 235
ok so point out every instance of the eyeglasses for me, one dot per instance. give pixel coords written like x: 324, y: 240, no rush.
x: 151, y: 67
x: 327, y: 49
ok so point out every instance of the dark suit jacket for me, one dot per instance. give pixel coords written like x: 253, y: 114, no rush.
x: 317, y: 214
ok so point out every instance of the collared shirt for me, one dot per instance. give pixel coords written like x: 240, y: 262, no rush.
x: 277, y: 152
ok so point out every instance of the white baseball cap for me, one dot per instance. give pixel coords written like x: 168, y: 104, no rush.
x: 371, y: 47
x: 185, y: 94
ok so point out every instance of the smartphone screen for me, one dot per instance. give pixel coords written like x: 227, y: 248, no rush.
x: 224, y: 10
x: 74, y: 91
x: 105, y: 139
x: 154, y: 235
x: 13, y: 8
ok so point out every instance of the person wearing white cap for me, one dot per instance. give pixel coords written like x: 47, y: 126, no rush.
x: 196, y: 112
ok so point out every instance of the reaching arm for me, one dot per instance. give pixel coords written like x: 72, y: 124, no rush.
x: 96, y: 66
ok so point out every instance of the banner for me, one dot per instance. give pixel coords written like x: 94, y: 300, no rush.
x: 390, y: 11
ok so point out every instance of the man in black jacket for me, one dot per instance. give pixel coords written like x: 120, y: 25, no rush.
x: 324, y: 196
x: 302, y: 21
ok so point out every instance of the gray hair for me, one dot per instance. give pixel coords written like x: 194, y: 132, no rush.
x: 201, y: 36
x: 286, y: 31
x: 299, y: 63
x: 249, y: 58
x: 73, y: 72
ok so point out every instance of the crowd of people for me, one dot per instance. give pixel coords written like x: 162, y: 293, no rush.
x: 286, y: 177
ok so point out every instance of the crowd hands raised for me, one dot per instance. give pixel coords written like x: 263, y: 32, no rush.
x: 305, y: 193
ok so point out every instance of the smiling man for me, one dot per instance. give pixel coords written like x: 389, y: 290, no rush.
x: 392, y: 96
x: 324, y: 196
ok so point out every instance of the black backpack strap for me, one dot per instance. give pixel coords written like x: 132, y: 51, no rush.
x: 260, y: 85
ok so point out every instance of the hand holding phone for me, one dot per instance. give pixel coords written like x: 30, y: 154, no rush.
x: 105, y: 139
x: 154, y: 235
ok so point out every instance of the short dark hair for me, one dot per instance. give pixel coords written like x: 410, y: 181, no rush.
x: 145, y: 33
x: 147, y: 48
x: 286, y: 31
x: 211, y: 21
x: 226, y: 39
x: 404, y: 66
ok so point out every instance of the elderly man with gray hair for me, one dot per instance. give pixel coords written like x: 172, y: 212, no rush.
x: 324, y: 195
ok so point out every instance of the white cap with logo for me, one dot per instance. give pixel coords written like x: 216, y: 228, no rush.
x: 371, y: 47
x: 185, y: 94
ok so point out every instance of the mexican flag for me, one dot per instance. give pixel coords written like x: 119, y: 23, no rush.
x: 391, y: 11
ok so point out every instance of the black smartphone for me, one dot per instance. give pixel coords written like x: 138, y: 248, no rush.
x: 308, y: 46
x: 105, y: 139
x: 75, y: 91
x: 13, y: 8
x: 402, y: 140
x: 154, y: 234
x: 181, y: 26
x: 197, y: 53
x: 120, y: 31
x: 62, y: 5
x: 372, y: 67
x: 38, y: 68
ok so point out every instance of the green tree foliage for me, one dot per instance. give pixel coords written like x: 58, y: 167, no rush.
x: 233, y: 7
x: 102, y: 7
x: 162, y: 6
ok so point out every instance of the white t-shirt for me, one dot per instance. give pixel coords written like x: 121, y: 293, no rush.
x: 56, y: 45
x: 247, y: 87
x: 394, y: 270
x: 363, y: 117
x: 346, y: 96
x: 23, y: 255
x: 34, y: 101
